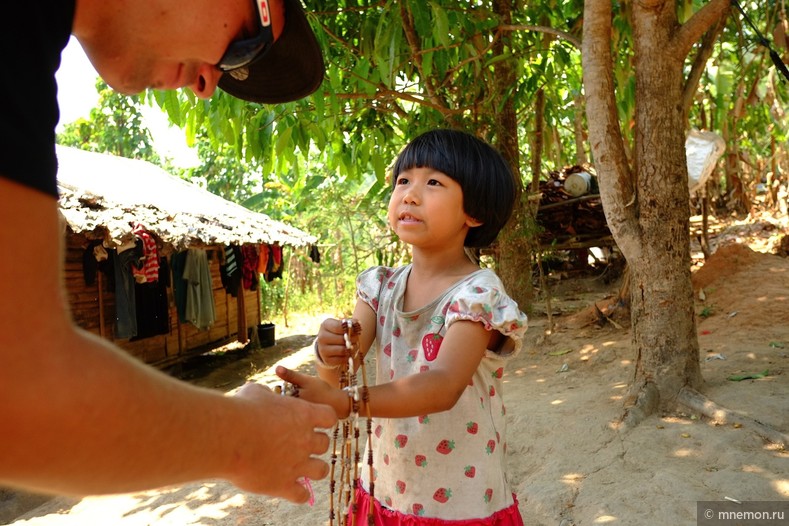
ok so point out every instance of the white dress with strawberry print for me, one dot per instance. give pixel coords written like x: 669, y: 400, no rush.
x: 449, y: 464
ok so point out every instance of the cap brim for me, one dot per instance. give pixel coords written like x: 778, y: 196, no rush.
x: 292, y: 69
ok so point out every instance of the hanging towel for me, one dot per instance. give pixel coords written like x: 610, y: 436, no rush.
x: 200, y: 309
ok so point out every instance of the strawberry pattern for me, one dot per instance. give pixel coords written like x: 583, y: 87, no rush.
x: 449, y: 464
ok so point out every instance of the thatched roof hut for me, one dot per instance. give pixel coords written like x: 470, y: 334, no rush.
x: 103, y: 198
x: 103, y: 193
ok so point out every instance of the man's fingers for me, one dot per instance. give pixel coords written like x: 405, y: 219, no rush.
x: 316, y: 469
x: 325, y: 418
x: 298, y: 494
x: 320, y: 443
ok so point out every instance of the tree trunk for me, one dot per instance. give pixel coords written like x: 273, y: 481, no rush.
x: 646, y: 206
x: 581, y: 137
x: 664, y: 323
x: 514, y: 252
x: 537, y: 141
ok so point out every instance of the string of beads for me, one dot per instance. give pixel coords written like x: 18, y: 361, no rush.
x: 350, y: 456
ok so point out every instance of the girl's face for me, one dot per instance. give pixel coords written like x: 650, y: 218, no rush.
x: 426, y: 209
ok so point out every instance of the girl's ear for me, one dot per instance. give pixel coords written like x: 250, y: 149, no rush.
x: 471, y: 222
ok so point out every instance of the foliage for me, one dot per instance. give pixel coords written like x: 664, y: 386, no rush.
x: 114, y: 126
x: 395, y: 69
x: 745, y: 98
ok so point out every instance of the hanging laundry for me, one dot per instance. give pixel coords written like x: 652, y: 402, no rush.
x: 94, y: 259
x: 274, y: 267
x: 249, y: 268
x: 178, y: 262
x: 152, y: 307
x: 315, y: 254
x: 230, y: 269
x: 276, y: 253
x: 265, y: 252
x: 150, y: 270
x: 125, y: 300
x: 200, y: 309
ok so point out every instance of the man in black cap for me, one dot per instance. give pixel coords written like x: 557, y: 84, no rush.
x: 79, y: 416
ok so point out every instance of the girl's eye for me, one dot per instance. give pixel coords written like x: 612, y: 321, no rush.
x: 434, y: 182
x: 402, y: 180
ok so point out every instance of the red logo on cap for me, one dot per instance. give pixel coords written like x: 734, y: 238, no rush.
x: 265, y: 19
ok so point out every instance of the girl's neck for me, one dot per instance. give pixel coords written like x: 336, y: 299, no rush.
x: 435, y: 264
x: 432, y: 274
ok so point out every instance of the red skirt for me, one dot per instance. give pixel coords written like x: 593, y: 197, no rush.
x: 387, y: 517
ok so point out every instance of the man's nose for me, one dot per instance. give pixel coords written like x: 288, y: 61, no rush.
x: 206, y: 81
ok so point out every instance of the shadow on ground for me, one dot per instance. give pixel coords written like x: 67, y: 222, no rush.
x: 229, y: 367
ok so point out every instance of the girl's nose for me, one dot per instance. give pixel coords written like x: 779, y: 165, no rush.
x: 411, y: 196
x: 206, y: 81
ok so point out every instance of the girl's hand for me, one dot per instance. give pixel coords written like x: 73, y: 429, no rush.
x: 330, y: 343
x: 313, y: 389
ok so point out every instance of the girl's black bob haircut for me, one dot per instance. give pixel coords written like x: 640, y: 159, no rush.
x: 489, y: 187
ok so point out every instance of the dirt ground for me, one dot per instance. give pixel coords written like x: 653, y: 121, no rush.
x: 570, y: 462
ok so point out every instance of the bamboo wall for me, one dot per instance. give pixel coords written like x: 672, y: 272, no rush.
x: 93, y: 309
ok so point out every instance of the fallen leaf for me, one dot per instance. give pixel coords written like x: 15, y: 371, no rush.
x: 748, y: 376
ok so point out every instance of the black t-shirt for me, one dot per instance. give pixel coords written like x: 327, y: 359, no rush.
x: 33, y: 33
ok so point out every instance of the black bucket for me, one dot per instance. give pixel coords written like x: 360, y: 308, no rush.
x: 266, y: 334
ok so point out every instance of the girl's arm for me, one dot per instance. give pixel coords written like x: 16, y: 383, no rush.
x: 432, y: 391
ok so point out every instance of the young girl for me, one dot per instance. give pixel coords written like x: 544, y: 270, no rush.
x: 443, y: 330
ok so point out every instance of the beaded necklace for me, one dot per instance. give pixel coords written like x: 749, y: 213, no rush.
x: 350, y: 456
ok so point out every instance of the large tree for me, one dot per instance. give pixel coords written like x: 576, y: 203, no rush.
x: 646, y: 196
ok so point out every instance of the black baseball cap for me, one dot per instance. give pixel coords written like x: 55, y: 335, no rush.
x: 292, y: 69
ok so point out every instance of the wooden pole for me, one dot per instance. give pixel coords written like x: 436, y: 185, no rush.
x: 100, y: 285
x: 242, y: 314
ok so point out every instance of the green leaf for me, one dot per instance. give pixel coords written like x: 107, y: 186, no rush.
x: 748, y: 376
x: 440, y: 24
x: 173, y: 107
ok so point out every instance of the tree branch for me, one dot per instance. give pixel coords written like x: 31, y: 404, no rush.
x: 382, y: 92
x: 616, y: 184
x: 413, y: 42
x: 700, y: 62
x: 542, y: 29
x: 698, y: 402
x: 692, y: 30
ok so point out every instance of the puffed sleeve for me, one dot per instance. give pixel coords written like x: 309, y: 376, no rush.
x: 369, y: 283
x: 484, y: 300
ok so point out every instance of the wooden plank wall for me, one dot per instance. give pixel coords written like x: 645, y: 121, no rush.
x: 93, y: 309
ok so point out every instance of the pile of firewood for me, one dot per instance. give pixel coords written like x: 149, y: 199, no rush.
x: 569, y: 220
